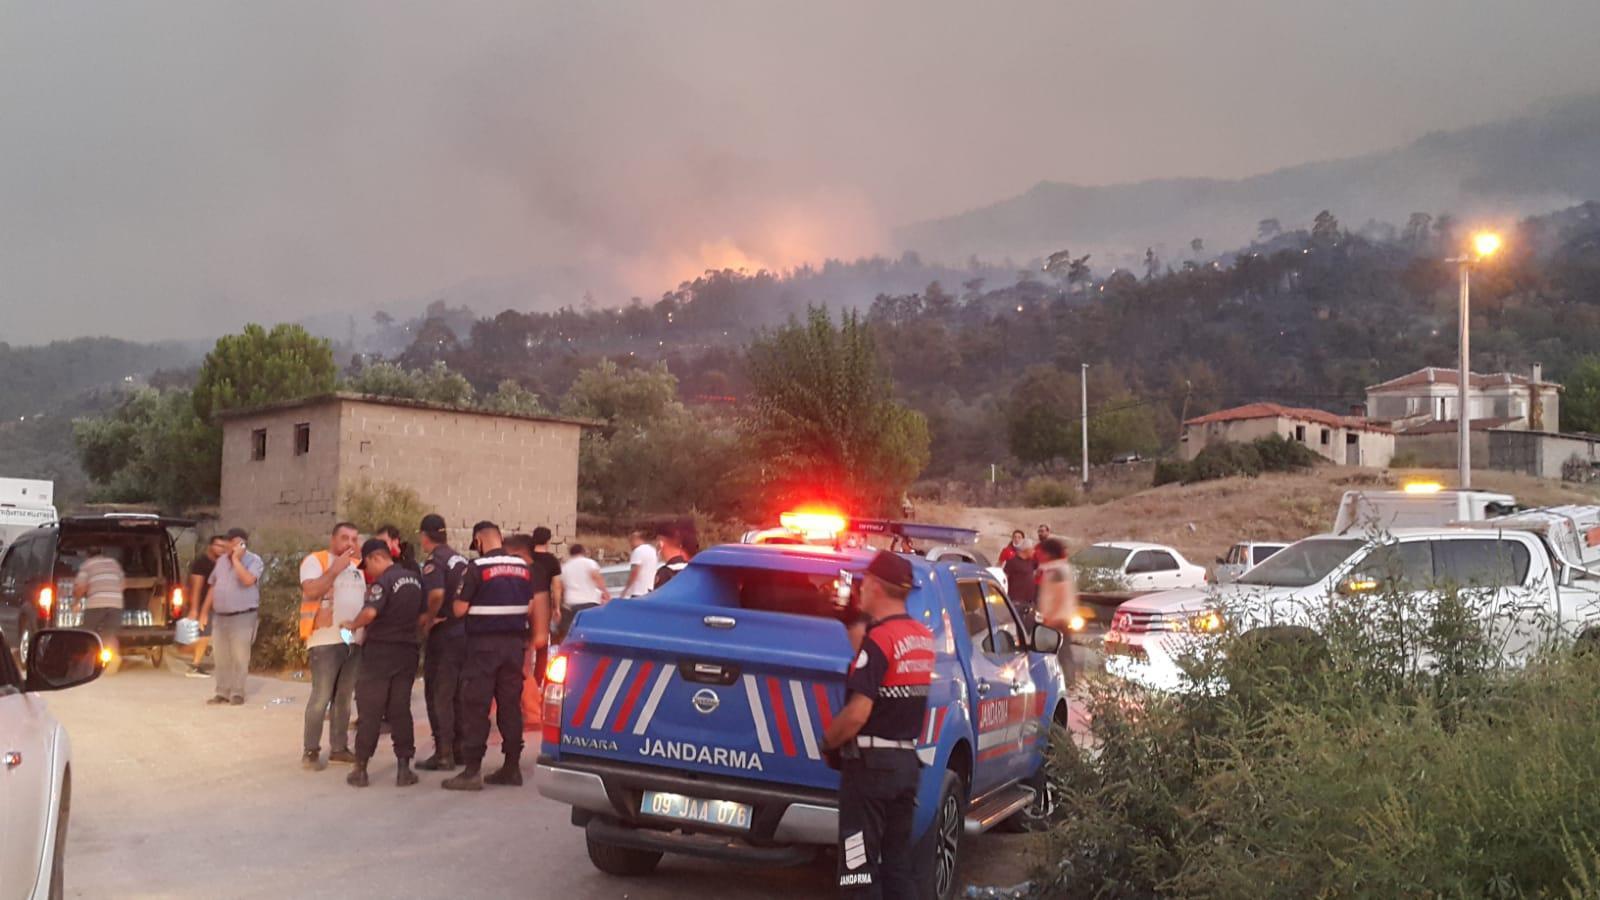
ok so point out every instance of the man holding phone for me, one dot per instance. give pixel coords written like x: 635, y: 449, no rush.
x: 233, y: 607
x: 333, y: 591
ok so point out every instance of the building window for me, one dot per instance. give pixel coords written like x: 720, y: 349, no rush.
x: 258, y: 444
x: 302, y: 439
x: 1327, y: 436
x: 1300, y: 433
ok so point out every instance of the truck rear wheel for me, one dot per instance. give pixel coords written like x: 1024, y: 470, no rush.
x: 939, y: 851
x: 626, y: 862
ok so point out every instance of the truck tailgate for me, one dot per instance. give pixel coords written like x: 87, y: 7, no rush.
x: 704, y: 689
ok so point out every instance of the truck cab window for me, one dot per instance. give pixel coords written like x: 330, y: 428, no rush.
x: 1481, y: 563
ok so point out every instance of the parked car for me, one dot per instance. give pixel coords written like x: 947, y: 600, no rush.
x: 616, y: 578
x: 691, y: 723
x: 36, y: 762
x: 38, y: 569
x: 1136, y: 567
x: 1532, y: 567
x: 1241, y: 558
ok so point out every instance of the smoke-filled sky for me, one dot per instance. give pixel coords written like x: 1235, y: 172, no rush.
x: 175, y: 169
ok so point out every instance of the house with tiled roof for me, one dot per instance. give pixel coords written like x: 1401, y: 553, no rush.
x: 1342, y: 440
x: 1428, y: 396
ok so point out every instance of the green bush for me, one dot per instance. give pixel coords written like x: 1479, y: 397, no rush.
x: 1042, y: 492
x: 1228, y: 459
x: 278, y: 646
x: 1340, y: 766
x: 1170, y: 471
x: 372, y: 505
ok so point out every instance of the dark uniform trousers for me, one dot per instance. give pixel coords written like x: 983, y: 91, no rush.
x: 383, y: 691
x: 493, y: 674
x: 877, y: 796
x: 441, y: 684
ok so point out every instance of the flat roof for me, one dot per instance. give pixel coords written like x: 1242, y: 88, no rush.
x: 401, y: 402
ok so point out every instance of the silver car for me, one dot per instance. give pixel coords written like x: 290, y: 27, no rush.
x: 1241, y: 558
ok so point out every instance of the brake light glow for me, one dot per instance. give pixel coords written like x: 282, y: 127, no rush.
x: 555, y: 691
x: 177, y: 600
x: 47, y: 600
x: 815, y: 521
x: 105, y: 656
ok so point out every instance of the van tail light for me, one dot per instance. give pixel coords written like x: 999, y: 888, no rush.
x: 177, y: 601
x: 47, y: 602
x: 555, y: 690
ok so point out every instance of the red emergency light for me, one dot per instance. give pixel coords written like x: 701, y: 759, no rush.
x: 815, y: 521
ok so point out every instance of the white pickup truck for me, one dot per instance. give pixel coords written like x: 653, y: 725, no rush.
x: 1539, y: 569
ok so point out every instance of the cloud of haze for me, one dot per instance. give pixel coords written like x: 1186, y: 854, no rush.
x: 175, y: 169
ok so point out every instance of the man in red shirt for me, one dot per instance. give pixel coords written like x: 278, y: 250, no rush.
x: 876, y: 736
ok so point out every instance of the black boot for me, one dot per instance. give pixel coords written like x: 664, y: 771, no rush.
x: 438, y: 763
x: 358, y: 775
x: 510, y: 774
x: 469, y: 780
x: 403, y: 776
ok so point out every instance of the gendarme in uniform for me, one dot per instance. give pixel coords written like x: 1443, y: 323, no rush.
x: 880, y: 769
x: 443, y: 570
x: 496, y: 594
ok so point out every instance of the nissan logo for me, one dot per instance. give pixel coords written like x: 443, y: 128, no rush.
x: 706, y: 701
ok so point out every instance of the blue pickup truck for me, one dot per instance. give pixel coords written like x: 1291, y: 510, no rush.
x: 691, y: 721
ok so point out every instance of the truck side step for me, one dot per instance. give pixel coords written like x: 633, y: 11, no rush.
x: 997, y: 807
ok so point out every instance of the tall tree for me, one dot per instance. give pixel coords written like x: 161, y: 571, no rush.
x: 1580, y: 402
x: 1267, y: 229
x: 1325, y: 229
x: 823, y: 420
x: 258, y: 366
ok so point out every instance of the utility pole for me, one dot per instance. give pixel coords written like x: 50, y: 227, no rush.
x: 1464, y: 377
x: 1083, y: 425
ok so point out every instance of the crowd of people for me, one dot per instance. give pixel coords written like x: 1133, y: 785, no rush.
x: 372, y: 614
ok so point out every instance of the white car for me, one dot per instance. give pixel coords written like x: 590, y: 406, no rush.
x: 1504, y: 569
x: 1242, y: 557
x: 36, y: 762
x: 1140, y: 567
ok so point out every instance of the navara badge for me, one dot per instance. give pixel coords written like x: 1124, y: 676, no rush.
x: 706, y: 701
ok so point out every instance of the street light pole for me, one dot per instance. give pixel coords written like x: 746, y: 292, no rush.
x: 1083, y: 422
x: 1464, y: 377
x: 1484, y: 245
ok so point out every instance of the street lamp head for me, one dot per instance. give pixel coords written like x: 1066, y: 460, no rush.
x: 1486, y: 243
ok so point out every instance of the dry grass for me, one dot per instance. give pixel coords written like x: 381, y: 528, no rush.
x: 1202, y: 520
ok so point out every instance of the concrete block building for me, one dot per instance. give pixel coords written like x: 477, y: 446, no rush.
x: 1342, y: 440
x: 290, y: 465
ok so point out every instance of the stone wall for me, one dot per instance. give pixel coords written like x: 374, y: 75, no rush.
x: 284, y: 489
x: 467, y: 466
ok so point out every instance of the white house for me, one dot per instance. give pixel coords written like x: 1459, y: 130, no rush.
x: 1499, y: 400
x: 1343, y: 440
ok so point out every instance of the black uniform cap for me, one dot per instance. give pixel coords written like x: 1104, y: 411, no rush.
x: 892, y: 569
x: 432, y: 523
x: 373, y: 545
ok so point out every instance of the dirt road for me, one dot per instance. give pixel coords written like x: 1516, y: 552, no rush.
x: 176, y: 799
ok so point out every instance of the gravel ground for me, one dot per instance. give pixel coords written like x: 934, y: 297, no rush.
x: 176, y: 799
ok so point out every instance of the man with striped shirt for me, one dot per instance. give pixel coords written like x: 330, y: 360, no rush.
x: 99, y: 586
x: 497, y: 604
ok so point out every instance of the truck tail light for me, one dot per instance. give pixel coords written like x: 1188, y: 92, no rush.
x: 47, y: 602
x: 177, y: 601
x: 555, y: 690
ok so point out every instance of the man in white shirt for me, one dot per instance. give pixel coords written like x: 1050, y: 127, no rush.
x: 331, y: 580
x: 584, y: 586
x: 642, y: 565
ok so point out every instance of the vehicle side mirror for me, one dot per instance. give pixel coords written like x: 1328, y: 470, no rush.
x: 61, y: 658
x: 1046, y: 639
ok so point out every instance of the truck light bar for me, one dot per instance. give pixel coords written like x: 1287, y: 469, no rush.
x: 917, y: 531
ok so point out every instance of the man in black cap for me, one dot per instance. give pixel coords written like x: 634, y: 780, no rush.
x: 876, y: 736
x: 497, y: 602
x: 443, y: 570
x: 393, y: 617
